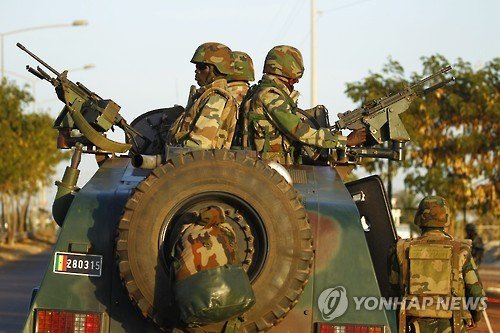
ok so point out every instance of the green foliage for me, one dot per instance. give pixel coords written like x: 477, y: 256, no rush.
x: 454, y: 132
x: 27, y: 142
x: 29, y: 153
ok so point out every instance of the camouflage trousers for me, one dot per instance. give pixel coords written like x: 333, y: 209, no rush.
x: 432, y: 325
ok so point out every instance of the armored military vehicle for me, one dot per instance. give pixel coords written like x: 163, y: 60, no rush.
x: 312, y: 245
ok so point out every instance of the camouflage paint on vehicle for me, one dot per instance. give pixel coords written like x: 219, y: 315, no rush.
x: 342, y: 259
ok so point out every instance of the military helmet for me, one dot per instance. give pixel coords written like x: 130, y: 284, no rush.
x: 243, y: 67
x: 433, y: 211
x: 216, y: 54
x: 284, y: 60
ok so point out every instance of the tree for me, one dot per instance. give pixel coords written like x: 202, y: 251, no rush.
x: 454, y: 132
x: 30, y: 155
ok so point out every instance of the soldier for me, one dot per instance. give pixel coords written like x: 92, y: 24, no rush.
x: 436, y: 276
x: 274, y: 125
x: 477, y: 242
x: 210, y: 116
x: 238, y: 86
x: 238, y: 81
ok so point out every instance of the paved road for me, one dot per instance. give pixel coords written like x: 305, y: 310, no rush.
x: 17, y: 280
x: 490, y: 277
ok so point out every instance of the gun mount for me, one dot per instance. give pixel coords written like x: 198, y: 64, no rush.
x: 84, y: 111
x: 381, y: 119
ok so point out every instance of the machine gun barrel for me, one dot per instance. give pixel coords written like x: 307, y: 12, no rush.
x: 381, y: 119
x: 34, y: 56
x: 35, y: 72
x: 430, y: 77
x: 438, y: 85
x: 83, y: 110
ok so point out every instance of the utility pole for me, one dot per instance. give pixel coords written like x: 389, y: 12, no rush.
x: 313, y: 55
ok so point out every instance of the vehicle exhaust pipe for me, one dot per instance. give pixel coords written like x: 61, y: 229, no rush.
x: 146, y: 161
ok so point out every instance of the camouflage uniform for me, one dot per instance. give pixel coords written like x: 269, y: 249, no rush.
x: 274, y: 125
x: 238, y: 81
x: 210, y: 285
x: 207, y: 242
x: 434, y: 268
x: 210, y: 117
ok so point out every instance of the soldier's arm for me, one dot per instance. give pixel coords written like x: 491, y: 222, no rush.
x: 281, y: 113
x: 473, y: 287
x: 209, y: 120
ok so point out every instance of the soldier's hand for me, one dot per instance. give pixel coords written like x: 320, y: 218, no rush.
x: 356, y: 137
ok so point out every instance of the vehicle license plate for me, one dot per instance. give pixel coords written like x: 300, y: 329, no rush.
x: 77, y: 264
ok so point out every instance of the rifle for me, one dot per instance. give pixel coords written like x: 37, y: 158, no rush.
x: 84, y: 110
x: 381, y: 119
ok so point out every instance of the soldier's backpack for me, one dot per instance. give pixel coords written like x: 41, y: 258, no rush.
x: 430, y: 269
x: 210, y: 284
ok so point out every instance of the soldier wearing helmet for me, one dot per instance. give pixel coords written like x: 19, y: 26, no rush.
x: 436, y: 276
x: 477, y: 242
x: 275, y: 126
x: 210, y: 116
x: 238, y: 82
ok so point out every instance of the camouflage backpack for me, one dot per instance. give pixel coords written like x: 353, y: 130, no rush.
x: 210, y: 284
x: 430, y: 269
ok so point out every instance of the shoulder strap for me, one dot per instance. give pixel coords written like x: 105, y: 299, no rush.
x: 271, y: 84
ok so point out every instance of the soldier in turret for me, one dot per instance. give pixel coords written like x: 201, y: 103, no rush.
x: 210, y: 117
x: 436, y: 276
x: 275, y: 127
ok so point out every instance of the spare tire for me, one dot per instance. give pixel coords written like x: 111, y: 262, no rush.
x: 273, y: 232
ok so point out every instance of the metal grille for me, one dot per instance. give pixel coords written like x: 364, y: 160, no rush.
x: 298, y: 176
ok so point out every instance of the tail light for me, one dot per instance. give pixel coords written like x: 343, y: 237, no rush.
x: 348, y: 328
x: 55, y: 321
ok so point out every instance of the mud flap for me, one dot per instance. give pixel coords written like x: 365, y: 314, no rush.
x: 375, y: 212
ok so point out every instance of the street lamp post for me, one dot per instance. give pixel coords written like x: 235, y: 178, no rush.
x: 2, y: 34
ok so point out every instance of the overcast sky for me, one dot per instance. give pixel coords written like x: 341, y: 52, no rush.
x: 141, y: 50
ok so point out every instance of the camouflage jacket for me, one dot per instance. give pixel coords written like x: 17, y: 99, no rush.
x: 238, y: 89
x: 209, y: 120
x: 464, y: 282
x: 274, y: 125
